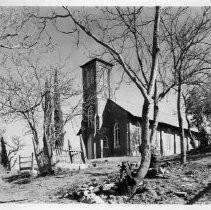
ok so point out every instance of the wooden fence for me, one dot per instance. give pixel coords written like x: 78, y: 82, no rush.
x: 58, y: 155
x: 26, y: 163
x: 67, y: 156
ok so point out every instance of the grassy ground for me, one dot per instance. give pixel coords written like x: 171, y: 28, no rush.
x: 193, y: 179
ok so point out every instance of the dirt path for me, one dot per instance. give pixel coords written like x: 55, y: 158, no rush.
x: 193, y: 178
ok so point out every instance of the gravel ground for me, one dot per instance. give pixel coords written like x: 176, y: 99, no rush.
x: 187, y: 184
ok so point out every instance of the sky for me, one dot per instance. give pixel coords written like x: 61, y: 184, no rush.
x: 128, y: 96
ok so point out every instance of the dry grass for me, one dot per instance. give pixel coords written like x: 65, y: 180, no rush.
x: 191, y: 178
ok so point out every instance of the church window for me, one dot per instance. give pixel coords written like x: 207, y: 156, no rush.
x: 168, y: 139
x: 116, y: 135
x: 138, y: 133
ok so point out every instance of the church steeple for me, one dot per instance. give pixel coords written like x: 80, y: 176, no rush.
x: 96, y: 76
x: 96, y: 86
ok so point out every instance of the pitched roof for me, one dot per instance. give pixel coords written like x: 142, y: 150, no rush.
x: 97, y: 59
x: 163, y: 118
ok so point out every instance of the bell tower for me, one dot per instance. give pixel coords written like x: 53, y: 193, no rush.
x: 96, y: 75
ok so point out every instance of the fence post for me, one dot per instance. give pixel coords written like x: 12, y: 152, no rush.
x: 32, y: 162
x: 71, y: 158
x: 19, y: 162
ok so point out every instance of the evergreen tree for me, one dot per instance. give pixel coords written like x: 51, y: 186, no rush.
x: 58, y: 116
x: 4, y: 157
x: 47, y: 125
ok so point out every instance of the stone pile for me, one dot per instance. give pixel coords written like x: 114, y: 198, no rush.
x: 94, y: 193
x: 112, y: 190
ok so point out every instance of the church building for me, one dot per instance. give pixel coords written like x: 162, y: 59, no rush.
x: 107, y: 128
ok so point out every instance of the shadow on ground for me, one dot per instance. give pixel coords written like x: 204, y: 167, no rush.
x: 200, y: 194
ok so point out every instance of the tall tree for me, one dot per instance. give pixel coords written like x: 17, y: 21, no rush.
x: 4, y: 156
x: 23, y: 91
x: 48, y: 140
x: 58, y: 115
x: 185, y: 38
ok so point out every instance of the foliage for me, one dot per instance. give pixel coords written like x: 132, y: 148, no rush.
x: 58, y: 115
x: 4, y: 156
x: 199, y: 108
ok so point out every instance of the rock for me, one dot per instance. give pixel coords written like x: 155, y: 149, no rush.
x: 84, y: 186
x: 98, y: 200
x: 153, y: 193
x: 112, y: 199
x: 120, y: 199
x: 66, y: 195
x: 92, y: 198
x: 86, y: 192
x: 180, y: 194
x: 91, y: 188
x: 75, y: 195
x: 107, y: 187
x: 95, y: 184
x: 104, y: 196
x: 96, y: 190
x: 161, y: 170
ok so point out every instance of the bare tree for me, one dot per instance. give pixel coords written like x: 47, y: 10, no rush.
x: 15, y: 146
x: 23, y: 91
x: 185, y: 38
x: 128, y: 38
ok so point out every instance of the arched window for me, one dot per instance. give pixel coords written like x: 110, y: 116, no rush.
x: 138, y: 133
x: 90, y: 116
x: 116, y: 135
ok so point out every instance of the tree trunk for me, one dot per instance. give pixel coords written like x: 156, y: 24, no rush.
x: 145, y: 149
x: 181, y: 126
x: 145, y: 144
x: 193, y: 143
x: 155, y: 119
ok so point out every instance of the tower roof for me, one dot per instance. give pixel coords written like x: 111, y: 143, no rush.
x: 99, y: 60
